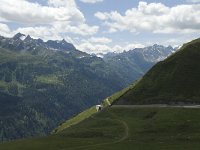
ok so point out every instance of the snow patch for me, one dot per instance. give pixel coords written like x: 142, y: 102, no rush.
x: 23, y: 37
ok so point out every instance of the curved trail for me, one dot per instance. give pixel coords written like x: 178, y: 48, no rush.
x: 125, y: 136
x: 126, y: 128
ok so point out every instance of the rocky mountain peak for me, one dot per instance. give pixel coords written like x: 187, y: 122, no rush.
x: 28, y: 38
x: 19, y: 36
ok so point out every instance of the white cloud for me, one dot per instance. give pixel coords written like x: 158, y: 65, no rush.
x: 154, y: 17
x: 103, y: 48
x: 64, y: 3
x: 133, y: 46
x: 100, y: 40
x: 178, y: 41
x: 57, y: 31
x: 60, y: 17
x: 104, y: 45
x: 91, y: 1
x: 102, y: 16
x: 93, y: 48
x: 39, y: 32
x: 82, y: 29
x: 24, y: 11
x: 4, y: 30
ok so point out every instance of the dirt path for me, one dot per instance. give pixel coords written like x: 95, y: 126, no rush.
x: 124, y: 137
x: 126, y: 128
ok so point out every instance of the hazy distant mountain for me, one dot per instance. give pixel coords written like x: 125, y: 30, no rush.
x: 138, y: 61
x: 153, y: 53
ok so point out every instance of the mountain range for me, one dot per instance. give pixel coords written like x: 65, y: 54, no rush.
x: 44, y: 83
x: 171, y: 123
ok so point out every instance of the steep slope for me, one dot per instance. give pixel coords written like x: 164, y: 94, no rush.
x: 91, y: 111
x: 172, y: 81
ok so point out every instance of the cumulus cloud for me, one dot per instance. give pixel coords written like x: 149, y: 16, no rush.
x: 59, y: 17
x: 102, y: 16
x: 57, y: 31
x: 39, y: 32
x: 93, y: 48
x: 103, y: 40
x: 4, y: 30
x: 133, y: 46
x: 64, y: 3
x: 26, y: 12
x: 82, y: 29
x: 91, y: 1
x: 103, y: 48
x: 154, y: 17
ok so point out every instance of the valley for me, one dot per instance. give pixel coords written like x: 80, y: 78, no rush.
x: 43, y: 83
x: 127, y: 123
x: 99, y: 75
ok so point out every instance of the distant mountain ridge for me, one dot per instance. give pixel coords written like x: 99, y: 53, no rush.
x: 23, y: 42
x: 153, y: 53
x: 138, y: 61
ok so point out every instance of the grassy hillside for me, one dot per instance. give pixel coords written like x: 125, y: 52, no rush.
x: 76, y: 119
x: 91, y: 111
x: 172, y: 81
x: 119, y: 128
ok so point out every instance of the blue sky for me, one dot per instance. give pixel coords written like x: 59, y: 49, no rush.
x: 100, y: 26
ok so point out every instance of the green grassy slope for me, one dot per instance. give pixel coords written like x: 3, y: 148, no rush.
x: 75, y: 120
x: 124, y: 128
x: 91, y: 111
x: 174, y: 80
